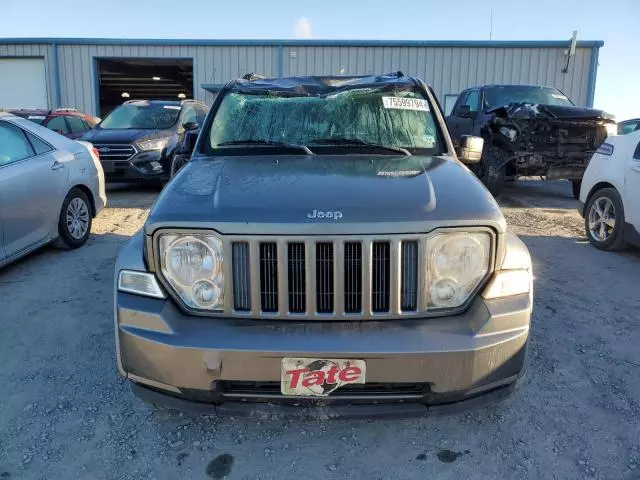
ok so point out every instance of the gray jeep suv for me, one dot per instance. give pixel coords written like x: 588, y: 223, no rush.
x: 324, y: 246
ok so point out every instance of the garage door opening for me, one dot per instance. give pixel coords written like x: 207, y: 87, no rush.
x: 142, y: 79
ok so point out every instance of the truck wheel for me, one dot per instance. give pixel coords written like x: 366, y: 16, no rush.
x: 604, y: 220
x: 177, y: 163
x: 575, y: 187
x: 492, y: 167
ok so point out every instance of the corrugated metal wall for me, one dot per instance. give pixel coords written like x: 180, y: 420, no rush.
x: 211, y: 64
x: 34, y: 50
x: 448, y: 69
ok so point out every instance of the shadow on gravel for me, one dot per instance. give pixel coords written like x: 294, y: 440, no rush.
x: 555, y: 194
x: 132, y: 195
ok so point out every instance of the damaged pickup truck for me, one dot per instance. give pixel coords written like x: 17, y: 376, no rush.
x: 528, y: 131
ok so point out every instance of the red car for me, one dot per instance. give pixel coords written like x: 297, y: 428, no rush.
x: 66, y: 121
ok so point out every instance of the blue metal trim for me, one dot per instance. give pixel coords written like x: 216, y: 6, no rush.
x: 56, y: 76
x: 96, y: 87
x: 593, y: 71
x: 334, y: 43
x: 280, y: 60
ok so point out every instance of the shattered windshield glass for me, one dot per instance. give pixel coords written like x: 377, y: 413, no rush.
x: 498, y: 96
x: 389, y: 117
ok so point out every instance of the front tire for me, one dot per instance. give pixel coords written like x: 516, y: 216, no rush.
x: 75, y: 220
x: 604, y: 220
x: 492, y: 168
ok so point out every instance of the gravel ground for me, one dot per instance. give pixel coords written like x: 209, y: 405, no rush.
x: 65, y: 413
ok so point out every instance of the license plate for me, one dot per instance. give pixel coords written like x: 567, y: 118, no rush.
x: 318, y: 377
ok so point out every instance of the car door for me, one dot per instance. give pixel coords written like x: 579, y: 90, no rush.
x: 31, y: 183
x: 632, y: 187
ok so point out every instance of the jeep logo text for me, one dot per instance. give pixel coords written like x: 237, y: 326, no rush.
x: 337, y: 215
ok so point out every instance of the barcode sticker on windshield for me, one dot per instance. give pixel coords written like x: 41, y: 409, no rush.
x: 171, y: 107
x: 402, y: 103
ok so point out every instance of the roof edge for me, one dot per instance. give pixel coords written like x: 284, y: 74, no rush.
x: 302, y: 43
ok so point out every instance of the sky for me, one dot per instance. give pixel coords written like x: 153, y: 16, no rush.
x: 616, y: 22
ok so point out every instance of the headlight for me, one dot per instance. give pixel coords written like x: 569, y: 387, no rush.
x: 457, y: 264
x: 193, y: 265
x: 515, y: 276
x: 611, y: 128
x: 155, y: 144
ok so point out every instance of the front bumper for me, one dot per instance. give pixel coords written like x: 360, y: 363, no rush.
x: 143, y: 166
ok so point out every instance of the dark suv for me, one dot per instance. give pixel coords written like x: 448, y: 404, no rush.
x: 138, y: 139
x: 66, y: 121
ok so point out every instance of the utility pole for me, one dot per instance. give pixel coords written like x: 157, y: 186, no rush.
x: 491, y: 26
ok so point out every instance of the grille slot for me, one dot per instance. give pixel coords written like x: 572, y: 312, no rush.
x: 269, y: 277
x: 380, y: 264
x: 113, y: 152
x: 296, y: 276
x: 409, y: 277
x: 324, y: 277
x: 352, y: 277
x: 241, y: 278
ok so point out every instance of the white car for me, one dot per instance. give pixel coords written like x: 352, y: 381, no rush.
x: 610, y: 193
x: 50, y: 188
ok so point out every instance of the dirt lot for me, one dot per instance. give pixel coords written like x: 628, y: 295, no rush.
x: 66, y: 414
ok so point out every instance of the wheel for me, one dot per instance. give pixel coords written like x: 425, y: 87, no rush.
x: 491, y: 169
x: 604, y: 220
x: 177, y: 162
x: 575, y: 187
x: 74, y: 223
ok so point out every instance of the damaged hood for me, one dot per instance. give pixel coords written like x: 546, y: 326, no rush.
x: 320, y: 194
x: 559, y: 112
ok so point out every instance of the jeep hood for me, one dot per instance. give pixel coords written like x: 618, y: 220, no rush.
x: 279, y: 195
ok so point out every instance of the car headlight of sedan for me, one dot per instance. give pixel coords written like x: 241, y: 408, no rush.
x: 192, y: 264
x: 155, y: 144
x: 457, y: 263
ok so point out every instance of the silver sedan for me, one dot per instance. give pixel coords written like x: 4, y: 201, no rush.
x: 50, y: 188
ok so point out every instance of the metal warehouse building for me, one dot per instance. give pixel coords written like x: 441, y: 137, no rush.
x: 92, y: 74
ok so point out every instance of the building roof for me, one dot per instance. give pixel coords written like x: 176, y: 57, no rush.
x: 311, y: 43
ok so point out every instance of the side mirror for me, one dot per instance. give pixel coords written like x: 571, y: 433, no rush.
x: 470, y: 149
x: 189, y: 142
x: 464, y: 111
x: 188, y: 126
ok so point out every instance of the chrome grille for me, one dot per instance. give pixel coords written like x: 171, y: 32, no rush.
x: 241, y: 280
x: 269, y: 277
x: 296, y: 277
x: 324, y: 277
x: 409, y: 288
x: 380, y: 277
x: 350, y: 278
x: 115, y: 152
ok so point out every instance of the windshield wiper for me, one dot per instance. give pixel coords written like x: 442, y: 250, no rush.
x: 268, y: 143
x: 359, y: 143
